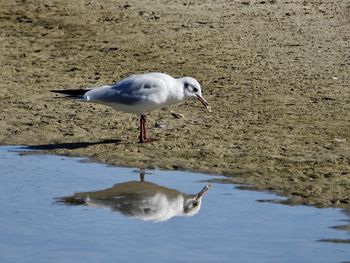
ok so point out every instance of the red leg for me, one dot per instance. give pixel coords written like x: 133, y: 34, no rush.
x: 142, y: 175
x: 141, y: 129
x: 144, y: 128
x: 143, y: 134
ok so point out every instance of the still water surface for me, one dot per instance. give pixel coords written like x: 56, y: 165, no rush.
x: 117, y: 218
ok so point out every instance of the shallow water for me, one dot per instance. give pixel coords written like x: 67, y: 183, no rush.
x: 230, y: 226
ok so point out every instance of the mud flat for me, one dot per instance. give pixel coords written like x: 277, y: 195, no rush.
x: 275, y: 72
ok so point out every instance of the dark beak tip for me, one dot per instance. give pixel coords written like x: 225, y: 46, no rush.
x: 204, y: 102
x: 204, y: 190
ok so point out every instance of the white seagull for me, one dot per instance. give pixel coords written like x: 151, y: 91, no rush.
x: 141, y: 200
x: 141, y: 94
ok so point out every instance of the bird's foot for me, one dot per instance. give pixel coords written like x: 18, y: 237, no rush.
x: 147, y: 140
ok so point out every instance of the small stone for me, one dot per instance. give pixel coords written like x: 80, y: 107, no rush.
x: 159, y: 124
x: 177, y: 115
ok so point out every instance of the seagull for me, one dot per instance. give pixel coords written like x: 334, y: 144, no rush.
x: 141, y: 200
x: 141, y: 94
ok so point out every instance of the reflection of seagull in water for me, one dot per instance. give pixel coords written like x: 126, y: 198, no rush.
x: 141, y: 94
x: 142, y: 200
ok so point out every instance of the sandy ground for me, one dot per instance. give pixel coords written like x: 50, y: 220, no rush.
x: 275, y: 72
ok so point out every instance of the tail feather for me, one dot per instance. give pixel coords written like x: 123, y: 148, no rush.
x: 72, y: 93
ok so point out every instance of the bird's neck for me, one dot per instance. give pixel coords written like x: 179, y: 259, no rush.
x: 179, y: 93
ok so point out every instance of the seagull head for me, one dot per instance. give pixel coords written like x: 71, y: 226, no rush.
x: 192, y: 203
x: 192, y: 90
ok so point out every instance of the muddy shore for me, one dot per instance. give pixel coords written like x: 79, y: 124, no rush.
x: 276, y: 73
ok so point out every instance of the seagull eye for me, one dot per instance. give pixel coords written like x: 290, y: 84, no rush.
x: 195, y: 89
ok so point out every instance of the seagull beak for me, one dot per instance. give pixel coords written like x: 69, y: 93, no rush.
x: 205, y: 103
x: 202, y: 192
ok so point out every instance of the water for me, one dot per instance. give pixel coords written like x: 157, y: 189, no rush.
x: 228, y: 226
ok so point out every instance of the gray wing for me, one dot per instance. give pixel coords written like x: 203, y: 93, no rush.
x: 129, y: 91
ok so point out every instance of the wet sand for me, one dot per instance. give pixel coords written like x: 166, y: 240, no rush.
x: 275, y: 72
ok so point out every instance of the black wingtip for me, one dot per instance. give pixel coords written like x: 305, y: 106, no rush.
x: 71, y: 92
